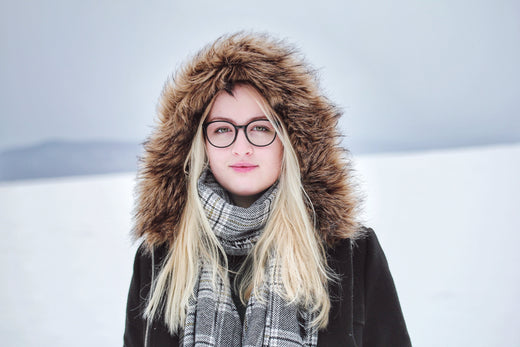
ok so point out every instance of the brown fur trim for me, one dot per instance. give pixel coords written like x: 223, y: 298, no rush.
x: 278, y: 72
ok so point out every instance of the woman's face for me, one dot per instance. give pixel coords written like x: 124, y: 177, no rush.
x: 243, y: 169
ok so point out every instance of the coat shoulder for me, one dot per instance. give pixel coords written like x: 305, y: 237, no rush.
x: 377, y: 308
x: 147, y: 263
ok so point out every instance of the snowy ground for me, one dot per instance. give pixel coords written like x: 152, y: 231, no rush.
x: 449, y: 222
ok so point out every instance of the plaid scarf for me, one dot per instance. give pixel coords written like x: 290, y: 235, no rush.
x: 212, y: 318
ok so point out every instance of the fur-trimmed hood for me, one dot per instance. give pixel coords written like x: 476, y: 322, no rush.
x: 290, y: 86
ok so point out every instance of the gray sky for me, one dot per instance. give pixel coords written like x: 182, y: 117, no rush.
x: 408, y: 74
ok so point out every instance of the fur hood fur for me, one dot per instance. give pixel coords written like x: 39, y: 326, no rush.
x: 279, y: 73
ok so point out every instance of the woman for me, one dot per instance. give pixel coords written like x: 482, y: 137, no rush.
x: 248, y: 214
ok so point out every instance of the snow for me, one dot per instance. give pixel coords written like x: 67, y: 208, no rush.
x: 66, y: 260
x: 449, y: 223
x: 447, y: 220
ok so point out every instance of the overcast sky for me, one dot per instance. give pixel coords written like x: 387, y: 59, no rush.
x: 408, y: 74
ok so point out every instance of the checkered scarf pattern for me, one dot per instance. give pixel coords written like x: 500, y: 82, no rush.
x: 212, y: 318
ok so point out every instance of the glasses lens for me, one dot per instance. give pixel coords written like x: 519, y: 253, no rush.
x: 220, y: 134
x: 260, y: 132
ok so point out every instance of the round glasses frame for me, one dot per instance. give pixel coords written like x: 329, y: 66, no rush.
x: 237, y: 127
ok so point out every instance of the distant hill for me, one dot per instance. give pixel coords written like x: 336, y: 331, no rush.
x: 62, y: 158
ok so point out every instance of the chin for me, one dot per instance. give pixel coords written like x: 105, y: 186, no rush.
x: 247, y: 193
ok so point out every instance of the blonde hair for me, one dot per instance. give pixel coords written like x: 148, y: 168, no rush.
x: 301, y: 262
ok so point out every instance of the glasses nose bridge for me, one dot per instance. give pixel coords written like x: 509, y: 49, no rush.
x: 240, y: 127
x: 244, y: 128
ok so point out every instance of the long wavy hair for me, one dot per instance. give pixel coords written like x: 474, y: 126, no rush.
x: 302, y: 261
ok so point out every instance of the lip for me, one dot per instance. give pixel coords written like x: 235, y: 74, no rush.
x: 243, y: 167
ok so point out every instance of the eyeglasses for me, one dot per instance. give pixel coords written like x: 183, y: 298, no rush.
x: 222, y: 134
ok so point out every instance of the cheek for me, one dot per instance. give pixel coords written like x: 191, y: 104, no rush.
x: 278, y: 158
x: 216, y: 160
x: 211, y: 154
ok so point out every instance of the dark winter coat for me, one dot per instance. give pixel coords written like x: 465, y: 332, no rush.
x: 365, y: 308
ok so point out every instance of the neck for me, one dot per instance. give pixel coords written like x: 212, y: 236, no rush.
x: 244, y: 201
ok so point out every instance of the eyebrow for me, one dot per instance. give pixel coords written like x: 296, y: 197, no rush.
x: 215, y: 118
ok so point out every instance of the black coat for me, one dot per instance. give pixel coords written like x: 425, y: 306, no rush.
x: 365, y: 307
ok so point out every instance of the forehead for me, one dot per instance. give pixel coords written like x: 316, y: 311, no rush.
x: 239, y: 107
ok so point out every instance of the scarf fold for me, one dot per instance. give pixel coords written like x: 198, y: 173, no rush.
x: 212, y: 318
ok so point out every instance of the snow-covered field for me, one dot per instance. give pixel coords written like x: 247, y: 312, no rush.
x: 449, y: 222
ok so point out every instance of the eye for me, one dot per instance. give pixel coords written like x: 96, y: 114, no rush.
x: 222, y: 130
x: 261, y: 126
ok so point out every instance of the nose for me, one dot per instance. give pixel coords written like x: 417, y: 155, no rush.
x: 241, y: 146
